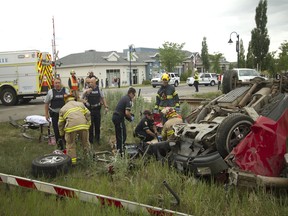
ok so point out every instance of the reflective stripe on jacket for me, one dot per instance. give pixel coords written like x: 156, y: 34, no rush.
x: 167, y: 130
x: 73, y: 116
x: 74, y: 83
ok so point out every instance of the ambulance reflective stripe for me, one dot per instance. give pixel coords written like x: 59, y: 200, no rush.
x: 44, y: 71
x: 134, y: 207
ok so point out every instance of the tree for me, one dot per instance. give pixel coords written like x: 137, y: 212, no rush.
x: 271, y: 64
x: 242, y: 63
x: 205, y: 55
x: 283, y: 57
x: 250, y: 57
x: 171, y: 55
x: 259, y: 36
x: 216, y: 62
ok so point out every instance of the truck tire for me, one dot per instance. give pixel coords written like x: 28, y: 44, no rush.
x: 212, y: 83
x: 231, y: 131
x: 8, y: 97
x: 154, y: 86
x: 176, y: 83
x: 229, y: 81
x: 50, y: 165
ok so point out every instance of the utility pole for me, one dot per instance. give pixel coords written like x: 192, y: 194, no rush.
x: 55, y: 54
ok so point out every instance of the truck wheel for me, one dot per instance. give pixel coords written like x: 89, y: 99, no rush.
x: 176, y: 84
x: 8, y: 97
x: 212, y: 83
x: 229, y: 82
x: 231, y: 131
x: 50, y: 165
x: 154, y: 86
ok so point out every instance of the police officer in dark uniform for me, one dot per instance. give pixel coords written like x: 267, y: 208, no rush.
x: 54, y: 101
x: 122, y: 111
x: 146, y: 129
x: 94, y: 99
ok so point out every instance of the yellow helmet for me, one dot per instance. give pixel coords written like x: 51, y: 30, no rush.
x: 165, y: 77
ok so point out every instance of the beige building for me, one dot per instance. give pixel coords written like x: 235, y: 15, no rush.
x: 108, y: 66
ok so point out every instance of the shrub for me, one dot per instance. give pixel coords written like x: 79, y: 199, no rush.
x: 146, y: 82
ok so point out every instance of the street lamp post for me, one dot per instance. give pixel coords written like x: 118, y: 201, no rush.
x: 131, y: 50
x: 237, y: 46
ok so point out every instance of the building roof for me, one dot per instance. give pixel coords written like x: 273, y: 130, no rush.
x: 142, y: 56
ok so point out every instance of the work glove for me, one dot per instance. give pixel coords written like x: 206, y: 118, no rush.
x: 132, y: 118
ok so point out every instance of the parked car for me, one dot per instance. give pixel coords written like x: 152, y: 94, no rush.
x: 174, y: 80
x: 204, y: 79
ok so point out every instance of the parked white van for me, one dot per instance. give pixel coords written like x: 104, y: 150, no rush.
x: 246, y: 74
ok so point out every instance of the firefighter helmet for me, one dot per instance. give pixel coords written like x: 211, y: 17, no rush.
x: 68, y: 97
x: 165, y: 77
x: 169, y: 112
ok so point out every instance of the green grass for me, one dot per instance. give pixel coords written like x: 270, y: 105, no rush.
x: 143, y: 183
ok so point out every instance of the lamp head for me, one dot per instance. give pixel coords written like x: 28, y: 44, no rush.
x: 230, y: 41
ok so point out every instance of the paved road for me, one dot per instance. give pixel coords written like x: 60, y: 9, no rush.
x: 36, y: 107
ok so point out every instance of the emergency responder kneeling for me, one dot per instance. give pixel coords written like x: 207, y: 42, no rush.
x: 172, y: 118
x: 166, y: 97
x: 74, y: 119
x: 93, y: 99
x: 146, y: 129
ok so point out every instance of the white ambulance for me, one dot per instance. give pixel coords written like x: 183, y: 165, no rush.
x: 24, y: 75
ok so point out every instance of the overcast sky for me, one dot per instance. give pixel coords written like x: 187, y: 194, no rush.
x: 114, y: 24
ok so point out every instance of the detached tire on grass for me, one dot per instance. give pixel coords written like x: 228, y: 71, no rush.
x: 231, y: 131
x: 51, y: 165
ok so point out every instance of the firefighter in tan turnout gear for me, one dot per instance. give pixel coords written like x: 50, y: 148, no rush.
x: 74, y: 119
x: 172, y: 119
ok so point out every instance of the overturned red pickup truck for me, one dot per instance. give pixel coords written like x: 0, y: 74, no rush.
x: 245, y: 129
